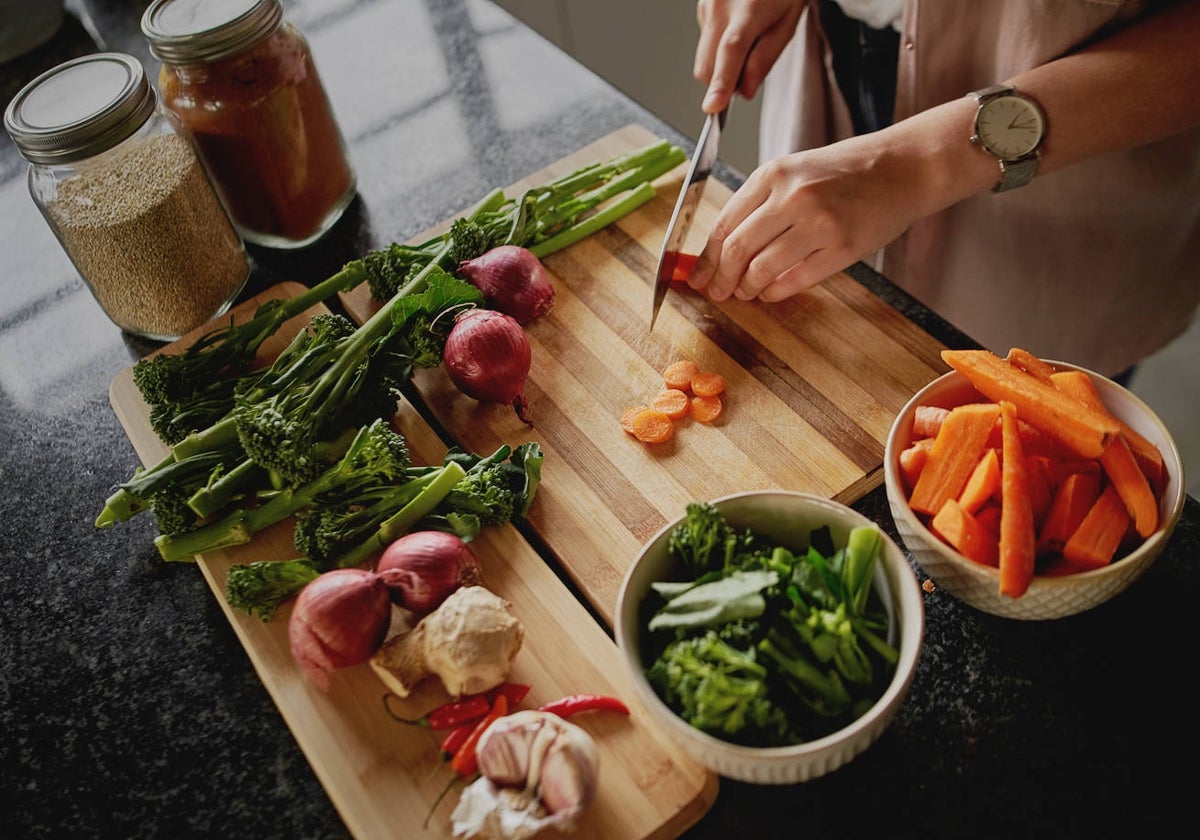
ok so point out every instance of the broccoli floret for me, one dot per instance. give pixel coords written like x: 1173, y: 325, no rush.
x: 698, y: 542
x: 719, y: 689
x: 171, y: 512
x: 469, y: 240
x: 189, y: 391
x: 260, y: 587
x: 377, y: 455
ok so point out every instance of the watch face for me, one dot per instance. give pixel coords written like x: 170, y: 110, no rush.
x: 1009, y: 126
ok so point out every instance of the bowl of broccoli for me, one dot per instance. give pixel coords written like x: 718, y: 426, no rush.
x: 772, y: 634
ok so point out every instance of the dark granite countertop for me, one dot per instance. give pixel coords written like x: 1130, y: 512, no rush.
x: 128, y: 707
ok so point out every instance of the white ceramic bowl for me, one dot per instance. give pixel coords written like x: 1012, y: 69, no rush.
x: 1048, y: 597
x: 787, y: 517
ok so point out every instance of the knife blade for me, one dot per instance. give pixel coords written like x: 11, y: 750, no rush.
x: 703, y: 160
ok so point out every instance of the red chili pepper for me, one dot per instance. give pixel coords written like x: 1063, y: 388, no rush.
x: 448, y: 715
x: 575, y: 703
x: 454, y: 713
x: 515, y: 692
x: 464, y: 761
x: 456, y: 737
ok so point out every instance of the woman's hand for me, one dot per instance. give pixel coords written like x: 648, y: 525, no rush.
x: 740, y: 40
x: 802, y: 217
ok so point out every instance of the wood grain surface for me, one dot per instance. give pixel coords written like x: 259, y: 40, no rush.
x: 384, y: 776
x: 813, y: 384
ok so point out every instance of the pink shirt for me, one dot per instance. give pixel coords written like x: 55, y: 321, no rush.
x: 1097, y: 264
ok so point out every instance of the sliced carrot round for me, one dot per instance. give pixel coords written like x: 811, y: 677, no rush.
x: 707, y: 409
x: 672, y: 402
x: 706, y: 383
x: 626, y: 420
x: 651, y: 426
x: 678, y: 375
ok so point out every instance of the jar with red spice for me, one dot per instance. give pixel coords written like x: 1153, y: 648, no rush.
x: 241, y: 82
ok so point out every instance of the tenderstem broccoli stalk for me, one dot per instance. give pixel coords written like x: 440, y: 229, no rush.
x: 377, y: 455
x: 547, y: 218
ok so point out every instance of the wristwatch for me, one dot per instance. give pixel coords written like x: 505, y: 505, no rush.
x: 1010, y: 126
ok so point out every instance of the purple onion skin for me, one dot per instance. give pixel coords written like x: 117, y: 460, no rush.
x: 487, y: 356
x: 422, y: 568
x: 513, y: 281
x: 339, y: 619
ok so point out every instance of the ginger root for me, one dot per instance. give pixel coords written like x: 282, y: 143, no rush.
x: 468, y: 642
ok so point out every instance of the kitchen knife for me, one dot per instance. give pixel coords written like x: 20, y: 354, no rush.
x: 685, y: 206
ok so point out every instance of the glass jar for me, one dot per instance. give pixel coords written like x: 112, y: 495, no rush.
x: 241, y: 81
x: 126, y: 196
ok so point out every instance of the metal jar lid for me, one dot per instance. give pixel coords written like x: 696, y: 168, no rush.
x: 80, y: 108
x: 196, y: 31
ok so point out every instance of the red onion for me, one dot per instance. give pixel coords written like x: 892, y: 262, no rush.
x: 424, y: 567
x: 339, y: 619
x: 487, y: 356
x: 512, y: 280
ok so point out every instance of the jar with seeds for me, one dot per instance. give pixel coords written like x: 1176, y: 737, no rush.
x: 127, y: 197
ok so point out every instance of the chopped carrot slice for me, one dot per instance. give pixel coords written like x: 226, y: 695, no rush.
x: 956, y: 450
x: 706, y: 383
x: 626, y: 420
x: 706, y: 409
x: 679, y: 374
x: 651, y: 426
x: 965, y: 533
x: 982, y: 484
x: 1017, y: 536
x: 672, y: 402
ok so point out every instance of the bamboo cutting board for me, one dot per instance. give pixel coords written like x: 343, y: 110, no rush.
x: 384, y: 776
x: 812, y: 386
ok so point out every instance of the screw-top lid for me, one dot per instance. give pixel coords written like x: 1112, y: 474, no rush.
x: 80, y: 108
x: 194, y: 31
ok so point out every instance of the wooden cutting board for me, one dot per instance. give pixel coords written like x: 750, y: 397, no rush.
x: 813, y: 384
x: 384, y: 776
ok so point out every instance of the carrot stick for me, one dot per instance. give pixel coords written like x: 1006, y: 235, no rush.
x: 927, y: 419
x: 982, y: 484
x: 912, y: 461
x: 672, y: 402
x: 1074, y: 498
x: 1078, y: 384
x: 1084, y: 431
x: 1133, y: 488
x: 1029, y: 363
x: 707, y: 409
x: 1017, y: 549
x: 1100, y: 533
x: 965, y: 533
x: 955, y: 451
x: 679, y: 374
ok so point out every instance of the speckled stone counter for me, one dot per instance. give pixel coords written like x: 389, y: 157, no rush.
x: 128, y: 708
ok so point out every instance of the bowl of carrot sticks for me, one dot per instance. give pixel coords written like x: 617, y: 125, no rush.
x: 1028, y: 488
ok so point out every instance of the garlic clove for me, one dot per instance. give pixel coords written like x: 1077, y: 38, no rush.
x: 537, y: 756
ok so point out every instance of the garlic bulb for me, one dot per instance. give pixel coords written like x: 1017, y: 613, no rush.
x: 537, y: 770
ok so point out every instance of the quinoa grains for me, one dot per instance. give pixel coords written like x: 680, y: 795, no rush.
x: 151, y: 238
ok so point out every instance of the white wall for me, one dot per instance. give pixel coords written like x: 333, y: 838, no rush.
x: 644, y: 48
